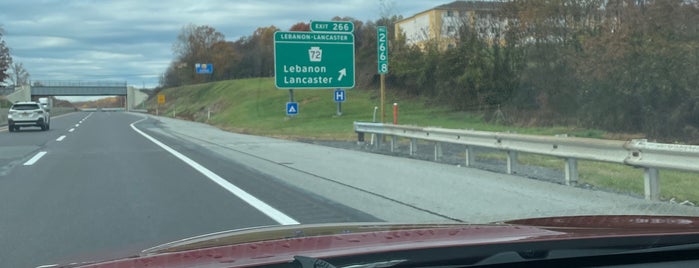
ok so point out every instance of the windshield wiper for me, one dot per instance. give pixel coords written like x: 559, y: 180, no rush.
x: 310, y: 262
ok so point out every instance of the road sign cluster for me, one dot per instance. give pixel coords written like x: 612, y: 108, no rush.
x: 307, y: 60
x: 322, y: 58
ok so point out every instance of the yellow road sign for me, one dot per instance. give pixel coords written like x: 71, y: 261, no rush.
x: 161, y: 99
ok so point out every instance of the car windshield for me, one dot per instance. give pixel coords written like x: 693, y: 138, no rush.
x: 164, y: 120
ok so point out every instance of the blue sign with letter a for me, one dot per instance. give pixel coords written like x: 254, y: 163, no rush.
x: 292, y: 108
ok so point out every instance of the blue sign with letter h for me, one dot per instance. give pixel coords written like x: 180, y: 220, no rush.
x: 339, y: 95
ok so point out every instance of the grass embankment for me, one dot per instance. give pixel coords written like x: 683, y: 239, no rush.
x: 255, y: 106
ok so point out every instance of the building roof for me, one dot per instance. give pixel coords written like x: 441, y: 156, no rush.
x: 464, y: 5
x: 470, y: 5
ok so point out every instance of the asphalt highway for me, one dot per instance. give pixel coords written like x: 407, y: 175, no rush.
x: 94, y: 188
x: 105, y: 185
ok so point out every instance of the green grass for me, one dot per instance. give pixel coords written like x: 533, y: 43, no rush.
x: 4, y: 103
x: 673, y: 184
x: 255, y: 106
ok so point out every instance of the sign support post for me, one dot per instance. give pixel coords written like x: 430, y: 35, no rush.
x: 383, y: 98
x: 292, y: 108
x: 161, y: 100
x: 340, y: 97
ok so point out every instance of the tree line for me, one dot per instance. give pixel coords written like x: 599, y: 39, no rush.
x: 250, y: 56
x: 618, y: 65
x: 11, y: 73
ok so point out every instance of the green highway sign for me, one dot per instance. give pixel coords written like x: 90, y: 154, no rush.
x: 309, y: 60
x: 382, y: 49
x: 332, y: 26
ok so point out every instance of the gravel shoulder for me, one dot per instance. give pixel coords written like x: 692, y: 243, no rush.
x: 396, y: 188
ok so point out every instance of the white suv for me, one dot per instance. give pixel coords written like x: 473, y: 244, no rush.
x: 28, y: 114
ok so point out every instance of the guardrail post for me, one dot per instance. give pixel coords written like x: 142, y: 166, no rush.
x: 511, y: 162
x: 437, y: 151
x: 379, y: 138
x: 394, y: 143
x: 571, y: 171
x: 651, y: 184
x: 360, y: 136
x: 413, y: 146
x: 470, y: 157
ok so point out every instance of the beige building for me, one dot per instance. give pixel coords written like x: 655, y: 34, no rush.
x: 442, y: 23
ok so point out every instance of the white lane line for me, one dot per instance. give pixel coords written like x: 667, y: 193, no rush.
x: 263, y: 207
x: 77, y: 125
x: 34, y: 159
x: 71, y: 130
x: 61, y: 138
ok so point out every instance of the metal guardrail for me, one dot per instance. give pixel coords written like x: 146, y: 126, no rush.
x: 636, y: 153
x: 3, y: 116
x: 6, y: 90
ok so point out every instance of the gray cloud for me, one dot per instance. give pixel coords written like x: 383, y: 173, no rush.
x: 131, y: 40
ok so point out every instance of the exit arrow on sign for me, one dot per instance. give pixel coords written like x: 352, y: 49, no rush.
x: 343, y: 73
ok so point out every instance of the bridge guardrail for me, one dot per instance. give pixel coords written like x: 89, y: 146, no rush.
x: 3, y: 116
x: 636, y: 153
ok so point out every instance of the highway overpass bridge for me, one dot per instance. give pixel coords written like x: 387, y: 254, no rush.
x: 79, y: 88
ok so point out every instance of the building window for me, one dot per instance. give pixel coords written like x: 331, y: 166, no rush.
x: 450, y: 13
x: 451, y: 29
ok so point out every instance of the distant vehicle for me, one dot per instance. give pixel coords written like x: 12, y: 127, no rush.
x: 45, y: 104
x: 28, y: 114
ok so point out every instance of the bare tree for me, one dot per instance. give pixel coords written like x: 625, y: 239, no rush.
x: 196, y: 41
x: 19, y: 76
x: 194, y: 45
x: 5, y: 58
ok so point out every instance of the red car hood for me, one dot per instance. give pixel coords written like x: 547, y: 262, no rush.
x: 279, y: 244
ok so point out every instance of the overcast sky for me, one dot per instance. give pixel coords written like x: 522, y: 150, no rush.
x: 131, y: 40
